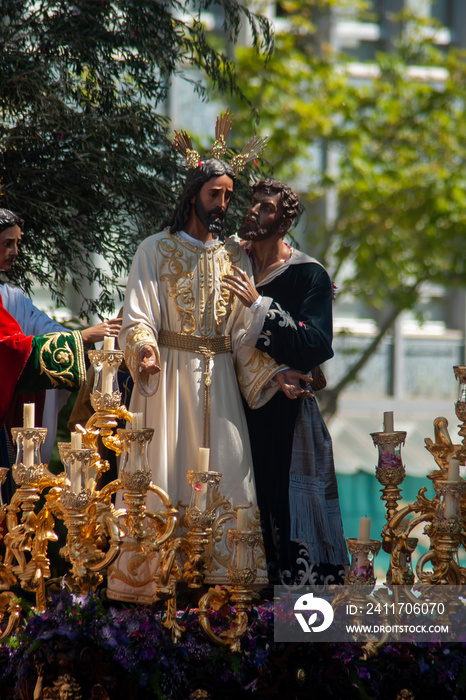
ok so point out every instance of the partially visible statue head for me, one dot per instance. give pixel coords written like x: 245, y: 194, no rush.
x: 8, y: 219
x: 66, y: 688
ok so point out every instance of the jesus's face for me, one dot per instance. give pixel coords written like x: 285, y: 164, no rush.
x: 211, y: 203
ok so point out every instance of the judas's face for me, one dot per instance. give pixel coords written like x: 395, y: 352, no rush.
x: 264, y: 218
x: 211, y: 202
x: 10, y: 240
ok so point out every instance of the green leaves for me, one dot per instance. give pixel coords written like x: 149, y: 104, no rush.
x: 85, y: 150
x: 389, y: 138
x: 385, y: 141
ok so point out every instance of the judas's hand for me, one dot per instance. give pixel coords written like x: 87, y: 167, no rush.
x: 288, y: 380
x: 241, y: 285
x: 148, y: 360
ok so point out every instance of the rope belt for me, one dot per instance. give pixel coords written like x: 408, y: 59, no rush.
x: 208, y: 347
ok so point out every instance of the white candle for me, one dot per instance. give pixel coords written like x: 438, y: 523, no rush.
x: 28, y: 415
x: 134, y: 458
x: 200, y: 489
x: 203, y: 459
x: 107, y: 379
x: 76, y: 441
x: 75, y: 476
x: 137, y: 421
x: 388, y: 422
x: 202, y: 466
x: 451, y: 503
x: 28, y: 452
x: 453, y: 470
x: 28, y: 445
x: 364, y: 530
x: 109, y: 343
x: 242, y: 519
x: 107, y: 373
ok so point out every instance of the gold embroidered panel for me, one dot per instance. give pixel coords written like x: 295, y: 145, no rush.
x: 192, y: 278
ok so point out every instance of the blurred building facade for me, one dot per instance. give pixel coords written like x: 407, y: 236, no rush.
x: 411, y: 371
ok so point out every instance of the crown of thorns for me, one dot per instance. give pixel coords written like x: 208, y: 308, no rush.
x: 251, y: 150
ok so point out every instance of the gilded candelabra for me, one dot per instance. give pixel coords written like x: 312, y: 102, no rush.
x: 242, y: 574
x: 360, y: 579
x: 390, y: 473
x: 443, y: 515
x: 27, y: 537
x: 199, y: 519
x: 105, y: 541
x: 363, y: 553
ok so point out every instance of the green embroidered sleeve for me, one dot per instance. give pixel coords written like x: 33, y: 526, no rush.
x: 56, y: 362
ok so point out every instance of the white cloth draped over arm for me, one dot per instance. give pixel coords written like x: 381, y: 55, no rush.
x: 141, y: 319
x: 255, y: 369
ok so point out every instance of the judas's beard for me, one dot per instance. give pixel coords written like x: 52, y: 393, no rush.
x: 251, y: 231
x: 212, y: 220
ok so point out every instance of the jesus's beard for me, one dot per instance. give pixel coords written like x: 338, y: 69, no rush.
x: 212, y: 220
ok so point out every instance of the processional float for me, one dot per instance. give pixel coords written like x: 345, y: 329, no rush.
x: 99, y: 535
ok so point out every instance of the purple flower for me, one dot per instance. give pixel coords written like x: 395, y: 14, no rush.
x: 363, y: 673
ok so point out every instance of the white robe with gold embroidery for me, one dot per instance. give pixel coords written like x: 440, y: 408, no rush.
x: 175, y: 285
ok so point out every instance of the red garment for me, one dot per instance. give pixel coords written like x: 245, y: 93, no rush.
x: 15, y: 348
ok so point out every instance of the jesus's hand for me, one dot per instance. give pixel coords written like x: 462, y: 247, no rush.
x: 148, y: 360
